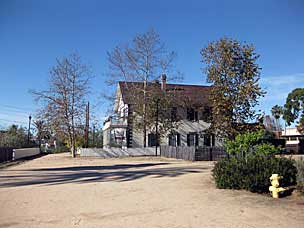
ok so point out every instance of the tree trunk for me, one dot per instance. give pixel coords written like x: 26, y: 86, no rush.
x: 73, y: 144
x: 72, y: 118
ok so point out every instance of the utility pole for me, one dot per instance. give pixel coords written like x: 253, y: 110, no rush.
x: 29, y: 130
x: 156, y: 126
x: 145, y: 113
x: 93, y: 135
x: 86, y: 136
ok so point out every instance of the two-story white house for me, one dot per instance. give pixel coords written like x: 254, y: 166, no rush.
x: 119, y: 131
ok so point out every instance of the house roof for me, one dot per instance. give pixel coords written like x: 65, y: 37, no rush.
x: 291, y: 132
x: 195, y: 94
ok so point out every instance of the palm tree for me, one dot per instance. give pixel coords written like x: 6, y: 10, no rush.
x: 277, y: 112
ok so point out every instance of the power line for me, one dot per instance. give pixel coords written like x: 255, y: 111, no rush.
x: 7, y: 113
x: 17, y: 108
x: 14, y: 111
x: 13, y: 121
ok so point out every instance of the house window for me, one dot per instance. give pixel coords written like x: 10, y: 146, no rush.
x: 206, y: 114
x: 174, y: 114
x: 125, y: 112
x: 209, y: 140
x: 151, y: 139
x: 192, y: 139
x: 192, y: 114
x: 174, y: 139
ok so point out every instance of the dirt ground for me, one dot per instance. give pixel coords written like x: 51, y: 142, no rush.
x: 58, y: 191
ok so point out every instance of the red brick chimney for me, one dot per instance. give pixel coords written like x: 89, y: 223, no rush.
x: 163, y: 85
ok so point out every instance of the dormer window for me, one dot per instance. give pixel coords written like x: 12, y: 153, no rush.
x: 206, y: 114
x: 192, y: 114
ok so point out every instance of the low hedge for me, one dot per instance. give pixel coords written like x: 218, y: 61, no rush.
x: 252, y: 173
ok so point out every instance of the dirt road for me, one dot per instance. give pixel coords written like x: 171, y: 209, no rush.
x: 58, y: 191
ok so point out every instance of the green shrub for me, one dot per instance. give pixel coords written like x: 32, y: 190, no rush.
x: 251, y: 143
x: 252, y: 173
x: 243, y: 143
x: 61, y: 149
x: 58, y: 149
x: 300, y: 174
x: 265, y: 149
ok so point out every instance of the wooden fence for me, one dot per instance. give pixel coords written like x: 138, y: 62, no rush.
x: 193, y: 153
x: 6, y: 154
x: 179, y: 152
x: 210, y: 153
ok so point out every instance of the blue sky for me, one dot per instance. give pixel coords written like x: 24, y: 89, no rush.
x: 34, y: 33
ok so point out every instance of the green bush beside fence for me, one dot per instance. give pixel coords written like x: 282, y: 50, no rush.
x: 300, y: 175
x: 252, y: 172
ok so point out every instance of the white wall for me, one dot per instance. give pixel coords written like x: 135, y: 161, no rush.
x: 116, y: 152
x: 291, y: 132
x: 185, y: 127
x: 26, y: 152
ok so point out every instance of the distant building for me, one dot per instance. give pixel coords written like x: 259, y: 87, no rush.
x: 294, y: 140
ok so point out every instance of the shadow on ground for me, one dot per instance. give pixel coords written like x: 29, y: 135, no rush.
x: 89, y: 174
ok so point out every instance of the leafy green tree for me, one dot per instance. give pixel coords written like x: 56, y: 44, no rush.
x: 14, y: 136
x: 232, y: 69
x: 277, y: 112
x: 250, y: 143
x: 265, y: 149
x: 294, y: 108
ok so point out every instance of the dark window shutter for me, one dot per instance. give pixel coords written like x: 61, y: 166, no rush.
x: 151, y: 140
x: 196, y: 139
x: 178, y: 140
x: 188, y: 140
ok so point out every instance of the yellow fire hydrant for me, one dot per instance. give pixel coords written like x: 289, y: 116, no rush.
x: 274, y: 188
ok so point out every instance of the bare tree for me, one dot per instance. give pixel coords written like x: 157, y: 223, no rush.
x: 39, y: 125
x: 63, y: 102
x: 143, y: 60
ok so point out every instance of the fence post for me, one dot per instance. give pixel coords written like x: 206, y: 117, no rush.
x: 13, y: 158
